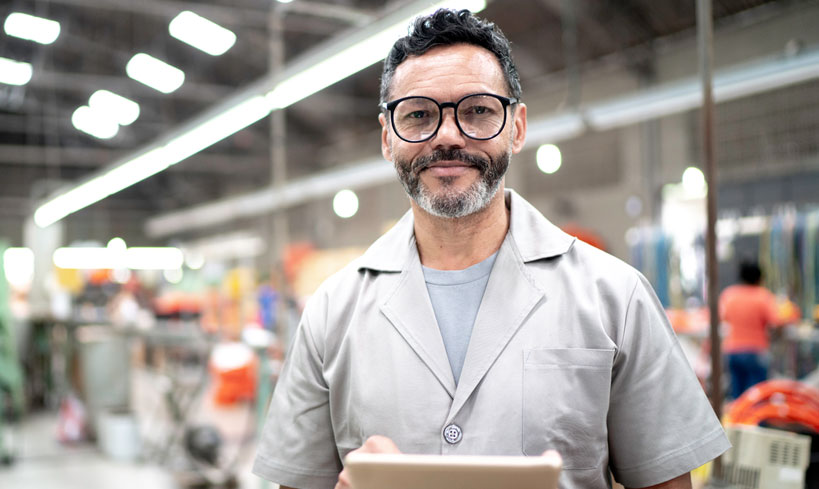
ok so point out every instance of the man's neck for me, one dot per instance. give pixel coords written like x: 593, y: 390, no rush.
x: 455, y: 244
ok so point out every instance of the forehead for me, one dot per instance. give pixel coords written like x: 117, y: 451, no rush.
x: 449, y: 70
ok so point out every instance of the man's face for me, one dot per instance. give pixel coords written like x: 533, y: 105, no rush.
x: 452, y: 175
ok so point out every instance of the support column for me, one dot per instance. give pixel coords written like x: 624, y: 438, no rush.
x: 706, y: 54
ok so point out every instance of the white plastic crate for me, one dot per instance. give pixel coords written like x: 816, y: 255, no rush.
x: 764, y: 458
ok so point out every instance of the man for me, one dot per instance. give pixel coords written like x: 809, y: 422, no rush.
x: 475, y: 326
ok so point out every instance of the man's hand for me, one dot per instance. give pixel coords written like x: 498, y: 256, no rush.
x: 374, y: 444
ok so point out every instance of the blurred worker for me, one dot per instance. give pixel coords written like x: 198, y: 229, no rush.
x: 748, y: 309
x: 475, y: 326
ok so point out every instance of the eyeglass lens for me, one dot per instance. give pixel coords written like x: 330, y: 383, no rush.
x: 479, y: 116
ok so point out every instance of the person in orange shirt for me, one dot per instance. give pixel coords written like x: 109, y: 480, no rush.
x: 748, y: 309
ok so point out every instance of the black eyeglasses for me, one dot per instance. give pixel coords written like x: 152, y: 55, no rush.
x: 479, y: 116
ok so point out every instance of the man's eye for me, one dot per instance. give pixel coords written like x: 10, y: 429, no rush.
x: 418, y: 114
x: 480, y: 110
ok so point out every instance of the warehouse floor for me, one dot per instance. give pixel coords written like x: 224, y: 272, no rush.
x: 42, y: 462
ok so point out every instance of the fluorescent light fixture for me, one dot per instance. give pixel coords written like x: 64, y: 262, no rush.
x: 117, y: 245
x: 201, y: 33
x: 100, y: 187
x: 239, y: 113
x: 84, y: 258
x: 693, y: 180
x: 15, y: 72
x: 155, y: 73
x: 88, y: 121
x: 18, y: 264
x: 111, y: 258
x: 729, y: 84
x: 31, y: 28
x: 134, y: 170
x: 326, y: 184
x: 216, y: 129
x: 345, y: 203
x: 548, y: 158
x: 73, y: 200
x: 114, y: 107
x: 335, y: 68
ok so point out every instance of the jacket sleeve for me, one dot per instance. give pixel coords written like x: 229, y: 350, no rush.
x: 297, y: 447
x: 661, y: 424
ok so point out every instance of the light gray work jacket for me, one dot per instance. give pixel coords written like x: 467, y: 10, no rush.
x: 570, y: 350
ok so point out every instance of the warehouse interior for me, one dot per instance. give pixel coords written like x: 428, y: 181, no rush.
x: 258, y: 173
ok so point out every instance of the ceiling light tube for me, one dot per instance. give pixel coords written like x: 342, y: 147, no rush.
x: 85, y: 258
x: 135, y: 170
x: 97, y: 258
x: 201, y: 33
x: 100, y: 187
x: 15, y: 72
x: 114, y: 107
x: 216, y: 129
x: 154, y: 73
x: 32, y: 28
x: 18, y: 265
x: 729, y: 84
x: 91, y: 122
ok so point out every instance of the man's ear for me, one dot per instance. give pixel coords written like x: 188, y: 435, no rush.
x: 386, y: 149
x: 519, y: 128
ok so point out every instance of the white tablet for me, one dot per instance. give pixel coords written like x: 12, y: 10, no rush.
x: 403, y: 471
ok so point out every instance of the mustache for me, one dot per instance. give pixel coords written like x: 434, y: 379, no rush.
x: 423, y: 162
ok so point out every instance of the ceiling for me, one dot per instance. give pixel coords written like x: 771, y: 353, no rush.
x: 41, y: 150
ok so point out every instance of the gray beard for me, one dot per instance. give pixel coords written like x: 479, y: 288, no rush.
x: 451, y: 203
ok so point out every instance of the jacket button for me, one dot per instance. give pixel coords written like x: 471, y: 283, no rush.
x: 453, y: 434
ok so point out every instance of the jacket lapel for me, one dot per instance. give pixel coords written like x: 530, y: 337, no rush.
x: 509, y: 298
x: 410, y: 311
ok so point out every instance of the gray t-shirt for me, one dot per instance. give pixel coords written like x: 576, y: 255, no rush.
x: 456, y: 296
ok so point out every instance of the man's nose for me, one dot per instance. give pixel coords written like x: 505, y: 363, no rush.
x: 448, y: 134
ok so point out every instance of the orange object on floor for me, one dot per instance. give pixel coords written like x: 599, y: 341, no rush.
x: 787, y: 401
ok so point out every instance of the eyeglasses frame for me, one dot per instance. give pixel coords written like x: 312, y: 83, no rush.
x: 505, y: 101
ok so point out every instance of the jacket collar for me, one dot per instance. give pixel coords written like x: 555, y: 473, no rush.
x: 534, y: 236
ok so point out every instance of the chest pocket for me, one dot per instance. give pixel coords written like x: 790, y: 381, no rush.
x: 565, y: 404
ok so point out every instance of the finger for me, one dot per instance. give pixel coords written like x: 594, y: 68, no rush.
x: 379, y: 444
x: 553, y: 456
x: 343, y: 481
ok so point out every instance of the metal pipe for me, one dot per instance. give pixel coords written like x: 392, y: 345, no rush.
x: 706, y: 54
x: 279, y: 224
